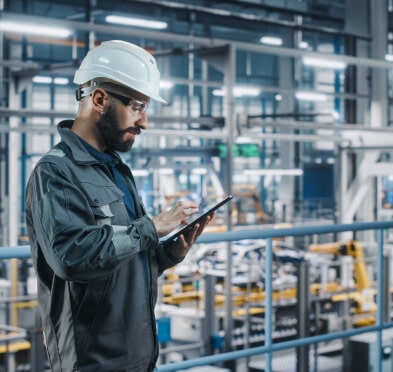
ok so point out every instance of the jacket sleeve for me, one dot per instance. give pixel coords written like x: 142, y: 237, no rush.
x: 73, y: 244
x: 165, y: 258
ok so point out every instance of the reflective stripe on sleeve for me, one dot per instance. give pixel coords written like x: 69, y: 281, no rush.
x: 121, y: 240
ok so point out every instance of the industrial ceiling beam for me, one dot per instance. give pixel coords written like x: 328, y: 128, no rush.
x: 182, y: 38
x: 253, y: 17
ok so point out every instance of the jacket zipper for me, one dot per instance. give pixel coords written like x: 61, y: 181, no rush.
x: 146, y: 259
x: 148, y: 281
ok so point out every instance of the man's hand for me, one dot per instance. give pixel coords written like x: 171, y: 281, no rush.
x: 167, y: 221
x: 184, y: 242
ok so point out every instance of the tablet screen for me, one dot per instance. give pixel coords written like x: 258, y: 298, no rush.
x: 171, y: 237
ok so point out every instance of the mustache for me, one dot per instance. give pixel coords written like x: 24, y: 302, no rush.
x: 134, y: 130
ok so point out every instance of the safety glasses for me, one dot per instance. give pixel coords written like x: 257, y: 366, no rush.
x: 137, y: 108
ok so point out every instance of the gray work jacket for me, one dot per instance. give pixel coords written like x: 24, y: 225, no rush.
x: 97, y: 271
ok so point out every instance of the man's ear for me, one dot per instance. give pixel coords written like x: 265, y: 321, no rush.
x: 99, y: 100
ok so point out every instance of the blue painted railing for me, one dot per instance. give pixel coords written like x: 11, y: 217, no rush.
x: 270, y: 347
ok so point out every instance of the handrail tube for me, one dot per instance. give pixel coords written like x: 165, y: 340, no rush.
x: 263, y: 233
x: 20, y: 251
x: 238, y: 354
x: 23, y: 251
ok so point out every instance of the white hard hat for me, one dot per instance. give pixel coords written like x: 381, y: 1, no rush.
x: 124, y: 63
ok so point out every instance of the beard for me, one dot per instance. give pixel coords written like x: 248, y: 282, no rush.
x: 109, y: 127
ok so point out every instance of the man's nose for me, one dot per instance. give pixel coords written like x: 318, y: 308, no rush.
x: 142, y: 122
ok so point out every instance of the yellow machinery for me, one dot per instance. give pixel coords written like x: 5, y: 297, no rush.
x: 351, y: 248
x: 247, y: 201
x: 363, y: 296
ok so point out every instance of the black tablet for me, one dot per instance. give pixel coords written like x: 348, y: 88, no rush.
x: 171, y: 237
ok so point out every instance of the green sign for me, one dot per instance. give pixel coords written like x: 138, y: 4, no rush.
x: 243, y: 150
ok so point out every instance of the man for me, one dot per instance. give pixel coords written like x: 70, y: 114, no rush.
x: 96, y: 253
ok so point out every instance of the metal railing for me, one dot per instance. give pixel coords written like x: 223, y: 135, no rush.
x: 269, y: 347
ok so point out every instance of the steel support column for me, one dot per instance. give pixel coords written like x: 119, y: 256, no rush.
x: 224, y: 59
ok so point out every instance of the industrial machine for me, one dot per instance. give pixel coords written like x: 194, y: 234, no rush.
x: 362, y: 294
x: 346, y: 292
x: 363, y: 351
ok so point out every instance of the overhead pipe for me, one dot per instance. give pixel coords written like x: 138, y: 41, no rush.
x: 211, y: 121
x: 307, y: 125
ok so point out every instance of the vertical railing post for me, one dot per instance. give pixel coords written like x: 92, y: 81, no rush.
x: 387, y: 302
x: 380, y: 276
x: 303, y: 315
x: 209, y: 305
x: 37, y: 350
x: 268, y: 302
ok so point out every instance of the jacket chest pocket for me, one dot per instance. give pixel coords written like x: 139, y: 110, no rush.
x: 106, y: 203
x: 103, y: 214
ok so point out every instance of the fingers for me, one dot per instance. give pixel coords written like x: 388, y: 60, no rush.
x: 197, y: 230
x: 186, y: 208
x: 185, y: 241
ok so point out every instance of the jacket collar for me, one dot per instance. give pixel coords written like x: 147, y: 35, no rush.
x: 73, y: 142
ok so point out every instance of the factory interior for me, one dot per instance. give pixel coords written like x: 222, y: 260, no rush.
x: 283, y: 104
